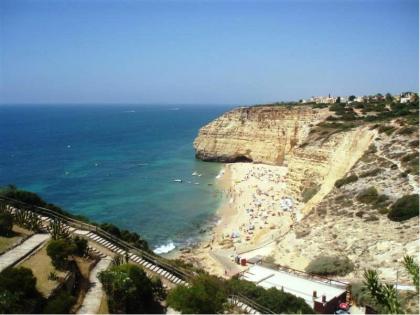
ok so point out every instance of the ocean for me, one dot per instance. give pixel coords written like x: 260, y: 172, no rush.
x: 115, y: 163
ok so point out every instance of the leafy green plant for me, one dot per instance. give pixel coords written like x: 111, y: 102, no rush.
x: 60, y: 304
x: 59, y: 251
x: 52, y: 276
x: 384, y: 295
x: 413, y: 269
x: 18, y: 293
x: 129, y: 290
x: 405, y: 208
x: 81, y: 246
x: 205, y: 295
x: 58, y: 230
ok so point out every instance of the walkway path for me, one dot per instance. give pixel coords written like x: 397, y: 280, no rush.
x: 16, y: 254
x: 94, y: 295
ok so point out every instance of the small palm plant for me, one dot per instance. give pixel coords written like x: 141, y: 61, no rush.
x: 413, y: 269
x: 33, y: 222
x: 385, y: 295
x: 117, y: 260
x: 58, y: 230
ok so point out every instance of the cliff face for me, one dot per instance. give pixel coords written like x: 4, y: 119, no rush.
x: 265, y: 134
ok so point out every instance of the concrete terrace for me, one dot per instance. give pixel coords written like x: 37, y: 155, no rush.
x: 294, y: 284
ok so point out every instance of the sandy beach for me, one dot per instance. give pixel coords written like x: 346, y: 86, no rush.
x: 258, y: 208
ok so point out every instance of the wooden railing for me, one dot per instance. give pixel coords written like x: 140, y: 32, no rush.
x: 152, y: 258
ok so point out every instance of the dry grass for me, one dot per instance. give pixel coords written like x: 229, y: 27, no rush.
x: 18, y: 236
x: 41, y: 266
x: 103, y: 308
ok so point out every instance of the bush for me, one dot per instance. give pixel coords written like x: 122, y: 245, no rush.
x: 60, y: 304
x: 206, y: 295
x: 6, y: 223
x: 18, y: 293
x: 330, y: 265
x: 404, y: 208
x: 346, y: 180
x: 81, y: 246
x: 129, y: 290
x: 368, y: 195
x: 59, y: 251
x: 373, y: 172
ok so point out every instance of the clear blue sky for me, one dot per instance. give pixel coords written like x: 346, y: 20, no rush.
x: 234, y: 52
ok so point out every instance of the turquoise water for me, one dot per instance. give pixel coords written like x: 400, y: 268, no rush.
x: 115, y: 164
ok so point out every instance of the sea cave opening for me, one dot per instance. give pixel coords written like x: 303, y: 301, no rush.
x: 242, y: 158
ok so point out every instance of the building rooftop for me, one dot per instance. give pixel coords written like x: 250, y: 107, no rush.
x: 294, y: 284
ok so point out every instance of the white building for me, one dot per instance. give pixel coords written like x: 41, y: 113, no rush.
x: 322, y: 295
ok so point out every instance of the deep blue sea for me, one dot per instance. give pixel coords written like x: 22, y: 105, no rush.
x: 115, y: 163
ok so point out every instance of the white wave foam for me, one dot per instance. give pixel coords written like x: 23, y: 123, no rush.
x: 166, y: 248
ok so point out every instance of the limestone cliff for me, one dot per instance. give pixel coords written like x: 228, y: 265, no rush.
x: 261, y: 134
x: 317, y: 151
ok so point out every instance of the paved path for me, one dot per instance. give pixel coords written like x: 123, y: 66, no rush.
x: 93, y: 297
x: 16, y: 254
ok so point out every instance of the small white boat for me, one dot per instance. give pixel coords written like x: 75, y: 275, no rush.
x: 194, y: 173
x: 178, y: 180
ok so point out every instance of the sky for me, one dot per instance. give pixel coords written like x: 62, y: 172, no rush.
x: 205, y: 52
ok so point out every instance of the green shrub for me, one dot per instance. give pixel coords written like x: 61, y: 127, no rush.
x: 6, y: 223
x: 373, y: 172
x: 59, y: 252
x: 330, y: 265
x: 346, y: 180
x: 360, y: 295
x: 404, y: 208
x: 81, y: 246
x: 205, y: 295
x: 368, y: 195
x: 129, y: 290
x: 18, y: 293
x: 60, y: 304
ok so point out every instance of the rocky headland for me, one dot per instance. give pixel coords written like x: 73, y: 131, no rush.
x: 312, y: 152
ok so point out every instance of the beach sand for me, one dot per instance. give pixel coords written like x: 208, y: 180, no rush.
x: 258, y: 208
